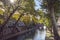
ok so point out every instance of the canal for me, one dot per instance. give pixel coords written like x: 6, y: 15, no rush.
x: 34, y: 35
x: 38, y: 34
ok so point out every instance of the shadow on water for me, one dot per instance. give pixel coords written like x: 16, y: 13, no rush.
x: 34, y: 35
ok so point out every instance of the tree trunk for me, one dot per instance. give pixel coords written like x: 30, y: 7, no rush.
x: 52, y: 15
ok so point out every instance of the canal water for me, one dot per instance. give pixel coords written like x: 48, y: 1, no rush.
x: 38, y: 35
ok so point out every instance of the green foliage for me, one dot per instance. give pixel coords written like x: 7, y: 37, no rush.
x: 16, y: 16
x: 44, y: 18
x: 26, y: 19
x: 34, y: 19
x: 28, y: 6
x: 1, y: 12
x: 1, y: 21
x: 56, y: 4
x: 46, y: 5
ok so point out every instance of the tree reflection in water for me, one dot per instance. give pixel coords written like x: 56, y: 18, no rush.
x: 39, y: 35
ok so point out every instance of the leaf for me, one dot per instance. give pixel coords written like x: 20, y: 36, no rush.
x: 1, y: 12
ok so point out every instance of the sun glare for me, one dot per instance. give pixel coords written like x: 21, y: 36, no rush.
x: 12, y: 1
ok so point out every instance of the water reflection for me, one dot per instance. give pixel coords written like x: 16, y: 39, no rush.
x: 39, y: 35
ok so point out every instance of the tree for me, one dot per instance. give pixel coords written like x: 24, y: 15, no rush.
x: 51, y: 6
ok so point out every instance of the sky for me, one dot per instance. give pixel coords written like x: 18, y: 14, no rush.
x: 38, y: 3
